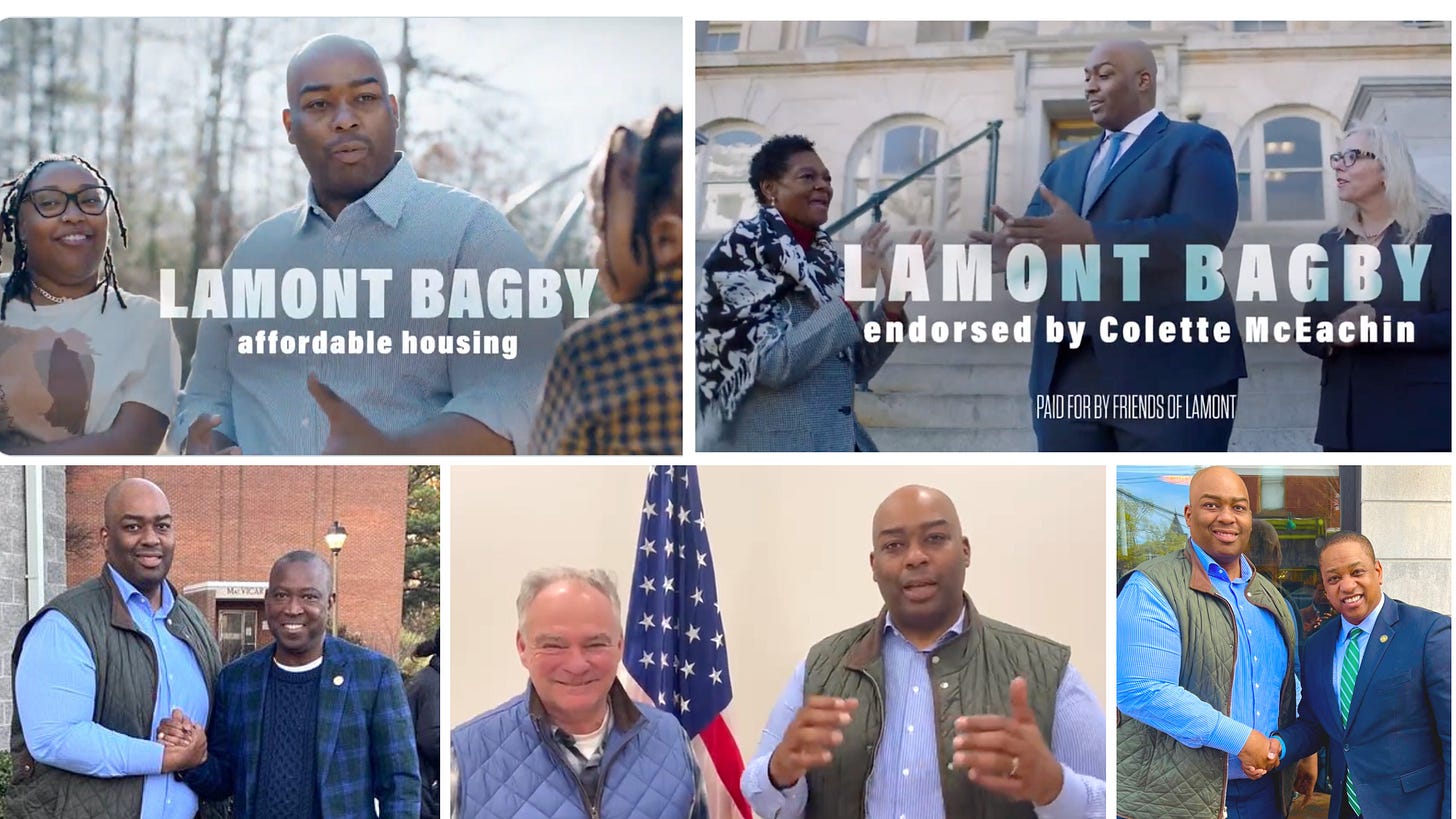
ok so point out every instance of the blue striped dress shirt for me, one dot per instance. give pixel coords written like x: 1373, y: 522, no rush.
x: 55, y: 693
x: 1149, y: 652
x: 905, y: 777
x: 403, y: 223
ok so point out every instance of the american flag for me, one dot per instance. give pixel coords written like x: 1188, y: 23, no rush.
x: 675, y: 648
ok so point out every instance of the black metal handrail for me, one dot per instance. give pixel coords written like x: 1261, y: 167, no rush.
x: 876, y: 200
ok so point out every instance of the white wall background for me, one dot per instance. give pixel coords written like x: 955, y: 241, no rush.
x: 791, y: 546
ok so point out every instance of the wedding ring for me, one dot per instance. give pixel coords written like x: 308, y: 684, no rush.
x: 1015, y: 763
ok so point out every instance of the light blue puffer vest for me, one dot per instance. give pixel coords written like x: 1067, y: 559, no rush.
x: 509, y: 770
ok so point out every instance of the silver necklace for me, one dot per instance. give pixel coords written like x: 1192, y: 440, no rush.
x: 54, y: 299
x: 1372, y: 238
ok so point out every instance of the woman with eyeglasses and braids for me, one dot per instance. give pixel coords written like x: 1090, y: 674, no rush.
x: 615, y: 382
x: 85, y: 367
x: 1377, y: 396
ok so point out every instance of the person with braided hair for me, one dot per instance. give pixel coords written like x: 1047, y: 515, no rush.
x: 76, y: 378
x: 615, y: 383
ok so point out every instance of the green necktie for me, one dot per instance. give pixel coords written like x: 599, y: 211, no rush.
x: 1349, y: 670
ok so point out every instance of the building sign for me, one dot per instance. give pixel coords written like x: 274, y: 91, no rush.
x: 229, y: 589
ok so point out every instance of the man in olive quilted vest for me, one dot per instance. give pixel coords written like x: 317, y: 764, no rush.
x: 99, y: 668
x: 1204, y: 670
x: 574, y: 745
x: 930, y: 709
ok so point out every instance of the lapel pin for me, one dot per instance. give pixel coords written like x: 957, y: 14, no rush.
x: 1384, y: 637
x: 339, y: 680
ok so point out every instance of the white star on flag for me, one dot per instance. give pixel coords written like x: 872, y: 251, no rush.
x: 671, y: 629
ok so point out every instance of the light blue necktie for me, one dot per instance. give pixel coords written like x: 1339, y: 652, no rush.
x: 1100, y: 170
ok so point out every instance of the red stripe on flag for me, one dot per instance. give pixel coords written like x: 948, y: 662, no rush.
x: 723, y: 749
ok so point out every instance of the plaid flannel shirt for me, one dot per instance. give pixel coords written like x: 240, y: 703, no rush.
x: 615, y: 384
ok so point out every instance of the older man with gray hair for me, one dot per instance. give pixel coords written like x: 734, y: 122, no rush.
x: 573, y: 744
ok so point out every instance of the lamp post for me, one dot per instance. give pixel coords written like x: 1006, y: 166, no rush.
x: 335, y: 537
x: 1192, y: 107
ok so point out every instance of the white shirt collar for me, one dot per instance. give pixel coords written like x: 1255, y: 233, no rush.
x: 1135, y: 128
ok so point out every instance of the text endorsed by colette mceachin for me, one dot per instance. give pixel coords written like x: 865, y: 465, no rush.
x: 968, y: 276
x: 360, y: 295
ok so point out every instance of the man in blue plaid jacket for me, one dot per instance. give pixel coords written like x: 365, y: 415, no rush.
x: 310, y: 727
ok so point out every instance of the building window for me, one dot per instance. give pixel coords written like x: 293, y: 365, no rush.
x: 722, y: 37
x: 1294, y: 509
x: 950, y: 31
x: 1069, y: 133
x: 1260, y: 25
x: 1282, y: 171
x: 893, y: 150
x: 837, y: 32
x: 726, y: 196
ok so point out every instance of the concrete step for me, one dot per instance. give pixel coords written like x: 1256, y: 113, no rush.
x: 946, y: 379
x: 954, y: 440
x: 878, y: 410
x: 1267, y: 439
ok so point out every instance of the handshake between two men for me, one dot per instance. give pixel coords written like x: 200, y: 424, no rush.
x: 1004, y: 754
x: 184, y: 742
x: 1261, y: 754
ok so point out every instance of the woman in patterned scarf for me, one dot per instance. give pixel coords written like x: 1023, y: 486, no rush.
x: 779, y: 349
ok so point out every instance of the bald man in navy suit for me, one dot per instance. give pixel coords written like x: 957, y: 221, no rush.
x: 1146, y: 181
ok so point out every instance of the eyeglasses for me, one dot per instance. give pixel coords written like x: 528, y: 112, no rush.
x: 51, y: 203
x: 1343, y: 161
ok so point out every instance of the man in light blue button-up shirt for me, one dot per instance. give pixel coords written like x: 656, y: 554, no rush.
x: 1157, y: 684
x: 920, y: 661
x: 81, y: 691
x: 365, y: 209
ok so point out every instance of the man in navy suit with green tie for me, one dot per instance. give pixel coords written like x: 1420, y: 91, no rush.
x: 1151, y: 182
x: 1377, y: 690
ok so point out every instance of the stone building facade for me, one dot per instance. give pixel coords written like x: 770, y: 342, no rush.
x: 881, y: 98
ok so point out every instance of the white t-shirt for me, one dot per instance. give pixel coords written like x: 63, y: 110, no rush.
x: 66, y: 369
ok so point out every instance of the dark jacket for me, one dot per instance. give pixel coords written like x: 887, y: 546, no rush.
x: 1396, y: 743
x: 423, y: 693
x: 1389, y: 397
x: 366, y: 750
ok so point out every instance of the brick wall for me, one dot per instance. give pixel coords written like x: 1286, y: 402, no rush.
x: 232, y: 522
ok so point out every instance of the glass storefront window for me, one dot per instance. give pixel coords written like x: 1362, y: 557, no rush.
x: 1294, y: 508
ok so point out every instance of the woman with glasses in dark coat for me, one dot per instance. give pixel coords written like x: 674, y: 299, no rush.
x: 1378, y: 395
